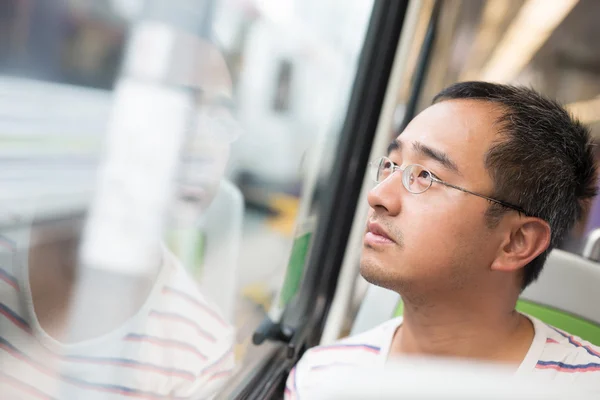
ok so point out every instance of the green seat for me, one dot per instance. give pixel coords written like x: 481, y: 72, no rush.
x: 562, y: 320
x: 565, y: 296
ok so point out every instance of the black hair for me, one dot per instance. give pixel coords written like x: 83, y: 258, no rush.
x: 542, y: 162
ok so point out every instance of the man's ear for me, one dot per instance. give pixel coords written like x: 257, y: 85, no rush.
x: 529, y: 238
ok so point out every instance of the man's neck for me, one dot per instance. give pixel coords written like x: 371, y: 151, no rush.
x: 464, y: 332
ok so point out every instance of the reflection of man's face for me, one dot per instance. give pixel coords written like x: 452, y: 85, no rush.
x: 206, y: 152
x: 205, y: 156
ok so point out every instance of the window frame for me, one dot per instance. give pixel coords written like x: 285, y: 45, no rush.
x: 306, y: 314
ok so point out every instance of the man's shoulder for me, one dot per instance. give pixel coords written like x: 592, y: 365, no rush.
x: 567, y: 354
x: 183, y: 330
x: 183, y: 324
x: 180, y: 304
x: 364, y: 349
x: 355, y: 349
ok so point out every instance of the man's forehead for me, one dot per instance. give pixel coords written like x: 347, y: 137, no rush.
x: 455, y: 127
x: 202, y: 66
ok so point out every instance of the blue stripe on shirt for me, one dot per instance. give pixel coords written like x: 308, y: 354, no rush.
x: 570, y: 367
x: 176, y: 317
x: 15, y: 318
x: 575, y: 343
x: 9, y: 279
x: 204, y: 307
x: 133, y: 364
x: 158, y: 341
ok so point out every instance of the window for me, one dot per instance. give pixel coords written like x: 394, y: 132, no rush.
x: 159, y: 183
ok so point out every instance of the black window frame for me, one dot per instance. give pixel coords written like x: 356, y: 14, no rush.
x: 304, y: 318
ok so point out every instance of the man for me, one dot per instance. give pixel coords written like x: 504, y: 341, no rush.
x: 73, y: 332
x: 470, y: 199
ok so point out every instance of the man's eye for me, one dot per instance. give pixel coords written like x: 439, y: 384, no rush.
x: 432, y: 175
x: 425, y: 174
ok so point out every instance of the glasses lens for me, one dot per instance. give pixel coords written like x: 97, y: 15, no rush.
x: 374, y: 170
x: 385, y: 169
x: 416, y: 179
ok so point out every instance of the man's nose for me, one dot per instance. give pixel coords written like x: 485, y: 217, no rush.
x: 387, y: 195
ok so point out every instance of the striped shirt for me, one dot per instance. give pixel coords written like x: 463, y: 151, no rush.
x: 177, y: 346
x: 553, y: 355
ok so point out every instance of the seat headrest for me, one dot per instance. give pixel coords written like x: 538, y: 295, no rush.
x: 569, y: 283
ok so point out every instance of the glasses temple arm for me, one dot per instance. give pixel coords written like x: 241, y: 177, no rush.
x: 502, y: 203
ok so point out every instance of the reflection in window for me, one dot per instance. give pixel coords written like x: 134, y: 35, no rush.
x: 85, y: 145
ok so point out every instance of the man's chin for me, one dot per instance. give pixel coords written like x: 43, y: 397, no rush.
x: 377, y: 274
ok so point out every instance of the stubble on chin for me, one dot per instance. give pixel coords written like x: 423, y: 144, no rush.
x: 385, y: 277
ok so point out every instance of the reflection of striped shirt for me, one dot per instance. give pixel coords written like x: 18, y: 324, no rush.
x: 553, y: 355
x: 177, y: 346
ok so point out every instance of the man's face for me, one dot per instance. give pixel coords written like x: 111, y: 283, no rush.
x: 205, y: 158
x: 439, y: 239
x: 206, y: 152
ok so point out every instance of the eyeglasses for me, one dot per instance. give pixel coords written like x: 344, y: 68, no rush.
x: 417, y: 179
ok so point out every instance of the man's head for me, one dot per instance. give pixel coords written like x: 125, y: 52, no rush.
x: 214, y: 127
x: 503, y: 142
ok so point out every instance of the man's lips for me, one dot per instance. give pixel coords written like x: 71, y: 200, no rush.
x: 376, y: 234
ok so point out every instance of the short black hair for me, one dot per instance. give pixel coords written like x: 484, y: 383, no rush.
x: 544, y: 161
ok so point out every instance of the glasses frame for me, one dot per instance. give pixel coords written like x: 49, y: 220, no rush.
x: 377, y: 165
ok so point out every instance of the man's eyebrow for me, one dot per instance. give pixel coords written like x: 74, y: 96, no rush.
x: 396, y: 145
x: 436, y: 155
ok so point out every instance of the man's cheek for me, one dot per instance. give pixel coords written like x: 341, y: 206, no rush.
x: 199, y: 180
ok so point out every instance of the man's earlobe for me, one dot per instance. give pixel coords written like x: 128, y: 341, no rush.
x: 528, y: 240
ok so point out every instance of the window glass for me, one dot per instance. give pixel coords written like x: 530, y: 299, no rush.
x: 159, y: 181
